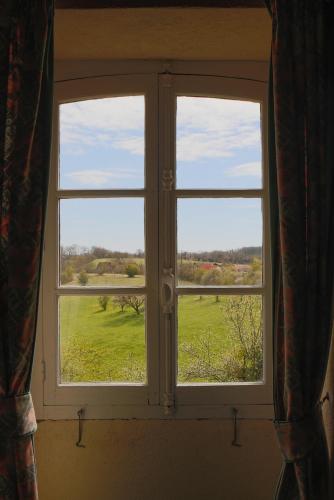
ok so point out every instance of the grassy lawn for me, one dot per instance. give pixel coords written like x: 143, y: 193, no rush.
x: 109, y: 345
x: 138, y: 260
x: 110, y: 279
x: 202, y: 332
x: 99, y: 345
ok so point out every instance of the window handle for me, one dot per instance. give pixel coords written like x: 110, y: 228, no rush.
x: 167, y: 290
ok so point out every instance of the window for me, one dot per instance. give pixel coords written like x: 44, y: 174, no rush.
x: 156, y: 281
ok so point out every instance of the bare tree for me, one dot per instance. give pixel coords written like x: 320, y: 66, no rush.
x: 133, y: 301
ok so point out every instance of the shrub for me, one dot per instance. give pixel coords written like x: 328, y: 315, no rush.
x: 67, y: 275
x: 131, y: 270
x: 83, y: 278
x: 103, y: 301
x: 212, y: 277
x: 244, y: 361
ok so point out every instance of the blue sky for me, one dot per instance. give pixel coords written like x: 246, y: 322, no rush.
x: 218, y: 146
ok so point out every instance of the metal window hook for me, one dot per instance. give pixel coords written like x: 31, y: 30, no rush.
x: 80, y: 414
x: 235, y: 441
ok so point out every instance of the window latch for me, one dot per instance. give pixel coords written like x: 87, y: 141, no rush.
x: 167, y: 290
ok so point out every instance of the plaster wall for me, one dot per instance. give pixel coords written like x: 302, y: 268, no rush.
x: 157, y: 460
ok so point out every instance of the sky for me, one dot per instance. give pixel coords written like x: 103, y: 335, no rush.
x: 218, y: 146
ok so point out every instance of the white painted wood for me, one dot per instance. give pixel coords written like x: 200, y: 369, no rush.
x: 220, y: 290
x: 218, y: 193
x: 55, y: 392
x: 167, y: 240
x: 247, y: 70
x: 160, y: 397
x: 101, y: 193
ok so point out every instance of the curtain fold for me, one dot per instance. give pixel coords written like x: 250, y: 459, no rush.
x: 26, y: 79
x: 301, y: 115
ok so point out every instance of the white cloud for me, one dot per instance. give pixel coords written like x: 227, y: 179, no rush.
x: 207, y: 128
x: 253, y: 169
x: 134, y: 145
x: 98, y: 178
x: 213, y: 128
x: 116, y: 122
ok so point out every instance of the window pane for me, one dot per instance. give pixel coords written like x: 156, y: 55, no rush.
x: 220, y: 339
x: 102, y: 143
x: 102, y: 242
x: 102, y: 339
x: 218, y: 143
x: 219, y: 242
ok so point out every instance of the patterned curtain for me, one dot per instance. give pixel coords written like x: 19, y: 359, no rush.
x: 26, y: 60
x: 302, y: 205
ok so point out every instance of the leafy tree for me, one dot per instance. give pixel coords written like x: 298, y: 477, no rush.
x: 244, y: 315
x: 83, y: 278
x: 131, y: 270
x: 186, y: 271
x: 212, y: 277
x: 254, y: 275
x: 228, y: 275
x: 103, y: 301
x: 67, y: 275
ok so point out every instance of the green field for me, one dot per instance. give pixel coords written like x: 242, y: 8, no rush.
x: 110, y: 279
x: 109, y: 346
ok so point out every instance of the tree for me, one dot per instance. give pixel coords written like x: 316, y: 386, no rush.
x: 120, y: 301
x: 254, y: 275
x: 133, y: 301
x: 244, y: 314
x: 103, y: 301
x: 67, y: 275
x: 83, y: 278
x: 228, y: 275
x: 131, y: 270
x: 136, y: 303
x: 244, y: 360
x: 212, y: 277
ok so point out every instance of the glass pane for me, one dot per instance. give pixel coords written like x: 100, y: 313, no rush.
x: 102, y: 143
x: 219, y: 242
x: 220, y: 339
x: 102, y: 339
x: 218, y: 143
x: 102, y: 242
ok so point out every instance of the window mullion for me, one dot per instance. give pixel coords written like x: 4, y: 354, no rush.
x: 167, y: 241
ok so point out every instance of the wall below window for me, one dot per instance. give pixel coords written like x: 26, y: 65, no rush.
x: 157, y: 460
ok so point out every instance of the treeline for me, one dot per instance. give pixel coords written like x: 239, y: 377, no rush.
x: 244, y: 255
x: 97, y: 253
x: 75, y: 259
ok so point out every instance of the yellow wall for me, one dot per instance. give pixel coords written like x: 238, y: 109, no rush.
x: 157, y: 460
x: 228, y: 34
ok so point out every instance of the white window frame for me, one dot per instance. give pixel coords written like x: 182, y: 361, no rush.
x: 161, y: 398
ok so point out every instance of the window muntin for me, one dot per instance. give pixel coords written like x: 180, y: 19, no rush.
x: 171, y: 389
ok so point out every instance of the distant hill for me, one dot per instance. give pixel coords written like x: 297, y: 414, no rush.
x: 242, y: 255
